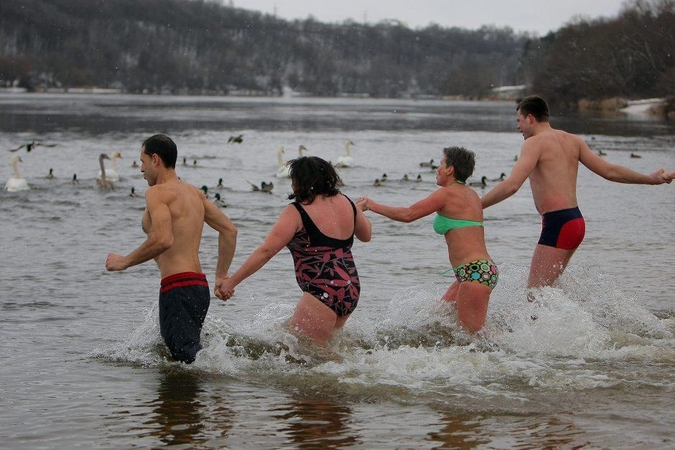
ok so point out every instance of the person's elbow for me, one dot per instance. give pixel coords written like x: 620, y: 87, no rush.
x: 232, y: 232
x: 164, y: 243
x: 365, y: 235
x: 408, y: 216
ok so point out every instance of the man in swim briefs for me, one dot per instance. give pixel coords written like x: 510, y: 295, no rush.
x: 173, y: 220
x: 550, y: 159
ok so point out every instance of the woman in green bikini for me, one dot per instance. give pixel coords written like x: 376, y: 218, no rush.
x: 459, y: 217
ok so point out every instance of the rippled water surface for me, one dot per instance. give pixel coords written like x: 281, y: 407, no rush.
x: 83, y: 365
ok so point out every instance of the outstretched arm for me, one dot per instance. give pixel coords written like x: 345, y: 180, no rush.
x: 529, y: 156
x: 423, y: 208
x: 160, y: 235
x: 621, y: 174
x: 280, y: 235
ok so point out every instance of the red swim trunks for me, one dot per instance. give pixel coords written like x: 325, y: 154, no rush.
x: 563, y: 229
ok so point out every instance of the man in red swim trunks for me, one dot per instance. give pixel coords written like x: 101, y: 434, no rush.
x: 173, y: 220
x: 550, y: 159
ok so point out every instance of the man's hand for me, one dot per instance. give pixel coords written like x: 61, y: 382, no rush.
x: 661, y: 176
x: 223, y: 290
x: 115, y: 262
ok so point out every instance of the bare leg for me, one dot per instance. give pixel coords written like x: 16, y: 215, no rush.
x: 548, y: 263
x: 314, y: 319
x: 472, y: 305
x: 451, y: 294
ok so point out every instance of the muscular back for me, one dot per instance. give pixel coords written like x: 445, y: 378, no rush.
x: 553, y: 179
x: 185, y: 204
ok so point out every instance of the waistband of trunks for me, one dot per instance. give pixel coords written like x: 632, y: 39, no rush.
x: 183, y: 279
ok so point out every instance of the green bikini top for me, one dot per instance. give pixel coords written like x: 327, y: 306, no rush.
x: 443, y: 224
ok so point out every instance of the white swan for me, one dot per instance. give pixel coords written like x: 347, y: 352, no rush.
x: 103, y: 181
x: 16, y: 183
x: 347, y: 160
x: 283, y: 171
x: 112, y: 173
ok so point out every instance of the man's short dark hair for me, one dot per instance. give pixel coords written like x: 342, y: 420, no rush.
x: 163, y: 146
x: 534, y: 105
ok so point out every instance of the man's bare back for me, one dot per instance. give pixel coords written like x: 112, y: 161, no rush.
x: 186, y: 208
x: 554, y: 177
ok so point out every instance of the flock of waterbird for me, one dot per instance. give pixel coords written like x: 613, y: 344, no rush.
x: 108, y: 176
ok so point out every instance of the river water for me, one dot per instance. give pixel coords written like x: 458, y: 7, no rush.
x: 83, y: 365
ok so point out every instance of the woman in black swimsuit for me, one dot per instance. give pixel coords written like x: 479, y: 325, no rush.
x: 318, y: 228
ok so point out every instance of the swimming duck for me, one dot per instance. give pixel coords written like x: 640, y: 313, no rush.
x: 482, y: 183
x: 236, y: 139
x: 219, y: 201
x: 50, y: 175
x: 427, y: 164
x: 501, y: 177
x: 267, y: 187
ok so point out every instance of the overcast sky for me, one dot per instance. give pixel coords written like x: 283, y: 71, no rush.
x: 539, y: 16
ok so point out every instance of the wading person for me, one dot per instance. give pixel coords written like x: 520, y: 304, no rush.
x: 173, y: 220
x: 459, y: 219
x: 550, y: 159
x: 318, y: 228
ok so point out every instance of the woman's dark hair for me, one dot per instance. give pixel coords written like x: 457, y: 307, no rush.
x: 312, y: 176
x: 164, y: 147
x: 463, y: 160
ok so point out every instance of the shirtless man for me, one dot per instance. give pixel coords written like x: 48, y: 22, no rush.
x: 550, y: 159
x: 173, y: 221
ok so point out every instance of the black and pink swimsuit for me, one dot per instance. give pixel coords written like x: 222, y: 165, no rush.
x: 324, y: 266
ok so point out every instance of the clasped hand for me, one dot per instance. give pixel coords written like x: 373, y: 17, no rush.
x: 223, y: 289
x: 363, y: 203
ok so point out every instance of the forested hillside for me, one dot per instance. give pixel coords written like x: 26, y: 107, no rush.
x: 199, y: 46
x: 631, y: 56
x: 205, y: 47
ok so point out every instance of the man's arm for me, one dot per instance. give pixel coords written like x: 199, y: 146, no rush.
x: 227, y: 236
x: 160, y: 235
x: 620, y: 174
x: 527, y: 161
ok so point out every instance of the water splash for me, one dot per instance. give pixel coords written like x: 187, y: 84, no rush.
x: 414, y: 347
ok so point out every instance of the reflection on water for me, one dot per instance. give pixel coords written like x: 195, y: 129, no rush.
x: 317, y: 423
x: 177, y: 410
